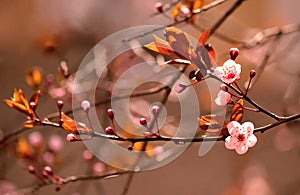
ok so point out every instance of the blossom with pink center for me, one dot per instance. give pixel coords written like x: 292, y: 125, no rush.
x: 241, y: 137
x: 229, y: 72
x: 223, y: 98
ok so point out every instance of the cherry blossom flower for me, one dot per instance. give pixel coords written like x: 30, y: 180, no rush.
x: 241, y: 137
x: 229, y: 72
x: 223, y: 98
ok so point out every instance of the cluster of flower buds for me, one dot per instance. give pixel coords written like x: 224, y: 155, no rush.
x: 47, y: 176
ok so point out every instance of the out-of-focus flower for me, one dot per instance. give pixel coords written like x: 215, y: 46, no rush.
x: 35, y: 139
x: 55, y: 143
x: 229, y: 72
x: 241, y: 137
x: 223, y: 98
x: 98, y: 168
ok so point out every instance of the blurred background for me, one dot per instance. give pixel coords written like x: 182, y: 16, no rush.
x: 42, y: 34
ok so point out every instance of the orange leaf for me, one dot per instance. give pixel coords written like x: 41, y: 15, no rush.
x: 176, y: 10
x: 238, y: 111
x: 197, y: 4
x: 20, y: 103
x: 23, y: 148
x: 29, y: 124
x: 70, y: 124
x: 139, y: 147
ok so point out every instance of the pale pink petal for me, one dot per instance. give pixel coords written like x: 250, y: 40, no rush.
x: 251, y: 141
x: 242, y: 149
x: 219, y: 71
x: 234, y: 128
x: 232, y: 142
x: 223, y: 98
x: 248, y: 128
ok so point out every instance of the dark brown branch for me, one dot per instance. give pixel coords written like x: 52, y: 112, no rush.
x: 195, y: 12
x: 225, y: 16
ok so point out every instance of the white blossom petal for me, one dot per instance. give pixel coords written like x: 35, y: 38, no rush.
x: 234, y: 128
x: 248, y: 129
x: 251, y: 141
x: 242, y: 149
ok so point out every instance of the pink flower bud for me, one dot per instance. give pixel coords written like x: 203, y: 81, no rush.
x: 48, y: 170
x: 110, y: 113
x: 143, y: 121
x: 234, y: 52
x: 155, y: 111
x: 159, y: 7
x: 31, y: 169
x: 109, y: 131
x: 224, y: 87
x: 60, y: 104
x: 85, y: 105
x: 252, y: 73
x: 71, y: 137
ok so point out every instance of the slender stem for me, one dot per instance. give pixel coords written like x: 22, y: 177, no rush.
x: 70, y: 179
x: 260, y: 108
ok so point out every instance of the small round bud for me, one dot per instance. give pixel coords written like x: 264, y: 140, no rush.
x: 57, y: 189
x: 109, y: 131
x: 110, y: 113
x: 252, y: 73
x: 85, y: 105
x: 130, y: 148
x: 32, y: 105
x: 155, y: 111
x: 31, y: 169
x: 143, y: 121
x: 48, y: 170
x: 60, y: 104
x: 71, y: 137
x: 45, y: 174
x: 234, y: 52
x: 224, y: 87
x: 159, y: 7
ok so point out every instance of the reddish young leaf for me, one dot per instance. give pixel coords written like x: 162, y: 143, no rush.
x: 35, y: 97
x: 238, y: 111
x: 203, y: 38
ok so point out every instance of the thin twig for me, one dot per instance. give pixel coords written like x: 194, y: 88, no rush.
x: 70, y: 179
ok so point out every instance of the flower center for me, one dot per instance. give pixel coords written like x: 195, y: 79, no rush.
x: 231, y: 75
x: 241, y: 137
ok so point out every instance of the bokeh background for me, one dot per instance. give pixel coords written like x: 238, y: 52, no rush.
x: 42, y: 33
